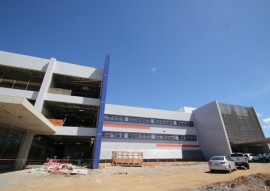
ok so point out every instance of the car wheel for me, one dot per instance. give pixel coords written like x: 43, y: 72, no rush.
x: 229, y: 170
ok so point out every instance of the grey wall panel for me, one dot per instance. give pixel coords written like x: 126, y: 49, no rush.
x: 211, y: 131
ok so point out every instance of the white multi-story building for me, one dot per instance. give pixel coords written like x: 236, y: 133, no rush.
x: 159, y: 134
x: 54, y: 106
x: 53, y: 109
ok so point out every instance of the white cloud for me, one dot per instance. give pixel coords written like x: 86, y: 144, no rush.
x: 266, y: 126
x: 267, y: 120
x: 259, y: 114
x: 153, y: 70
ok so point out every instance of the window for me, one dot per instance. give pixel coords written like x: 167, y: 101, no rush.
x: 163, y: 122
x: 165, y: 137
x: 139, y: 120
x: 139, y: 136
x: 159, y: 137
x: 190, y: 138
x: 217, y: 158
x: 187, y: 138
x: 148, y: 120
x: 182, y: 138
x: 113, y: 135
x: 185, y: 123
x: 149, y: 136
x: 114, y: 118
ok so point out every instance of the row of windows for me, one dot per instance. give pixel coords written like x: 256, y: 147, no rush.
x: 148, y: 120
x: 149, y: 136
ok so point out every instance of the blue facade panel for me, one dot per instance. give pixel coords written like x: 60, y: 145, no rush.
x: 101, y: 114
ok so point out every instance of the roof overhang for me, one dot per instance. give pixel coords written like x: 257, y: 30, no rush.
x: 18, y: 112
x: 253, y: 142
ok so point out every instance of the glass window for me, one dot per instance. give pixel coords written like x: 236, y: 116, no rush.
x: 185, y: 123
x: 114, y: 118
x: 163, y: 122
x: 187, y: 138
x: 139, y: 135
x: 149, y: 136
x: 139, y: 120
x: 113, y: 135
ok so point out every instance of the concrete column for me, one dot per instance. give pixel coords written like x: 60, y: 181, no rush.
x: 45, y: 84
x: 97, y: 147
x: 24, y: 151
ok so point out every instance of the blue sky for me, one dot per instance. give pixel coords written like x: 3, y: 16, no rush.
x: 164, y: 54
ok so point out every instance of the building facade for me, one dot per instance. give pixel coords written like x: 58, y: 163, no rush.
x: 70, y: 99
x: 54, y: 109
x: 224, y: 128
x: 159, y: 134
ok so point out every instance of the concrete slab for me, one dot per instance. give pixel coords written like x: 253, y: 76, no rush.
x: 20, y: 113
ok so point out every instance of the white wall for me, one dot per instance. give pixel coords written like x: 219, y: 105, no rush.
x: 57, y: 67
x: 148, y: 147
x: 76, y: 131
x: 40, y: 64
x: 72, y: 99
x: 22, y: 61
x: 145, y: 112
x: 78, y: 70
x: 19, y: 93
x: 212, y: 135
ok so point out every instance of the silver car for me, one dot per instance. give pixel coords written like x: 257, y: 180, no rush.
x: 224, y: 163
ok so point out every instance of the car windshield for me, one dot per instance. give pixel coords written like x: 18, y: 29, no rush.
x: 217, y: 158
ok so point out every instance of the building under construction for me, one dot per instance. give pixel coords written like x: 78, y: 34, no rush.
x: 54, y: 109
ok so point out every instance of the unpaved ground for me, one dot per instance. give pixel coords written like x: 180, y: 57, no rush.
x: 252, y: 182
x: 150, y: 177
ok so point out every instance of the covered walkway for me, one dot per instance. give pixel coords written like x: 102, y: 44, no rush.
x: 19, y: 121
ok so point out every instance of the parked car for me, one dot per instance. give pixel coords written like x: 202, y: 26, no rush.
x: 249, y: 156
x: 223, y: 163
x: 240, y: 160
x: 257, y: 158
x: 261, y: 158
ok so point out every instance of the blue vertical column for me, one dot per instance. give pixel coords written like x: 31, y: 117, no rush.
x: 101, y: 113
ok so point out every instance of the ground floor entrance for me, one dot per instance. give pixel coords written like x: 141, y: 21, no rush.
x: 10, y: 144
x: 250, y: 149
x: 76, y: 150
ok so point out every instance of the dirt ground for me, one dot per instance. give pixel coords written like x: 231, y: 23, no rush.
x: 151, y: 177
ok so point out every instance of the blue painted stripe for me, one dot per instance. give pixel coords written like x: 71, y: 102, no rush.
x: 101, y: 114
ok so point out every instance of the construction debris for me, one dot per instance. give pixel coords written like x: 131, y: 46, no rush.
x: 54, y: 167
x: 83, y: 171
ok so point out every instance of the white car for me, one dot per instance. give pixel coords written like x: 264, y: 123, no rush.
x: 260, y: 158
x: 257, y: 158
x: 249, y: 156
x: 223, y: 163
